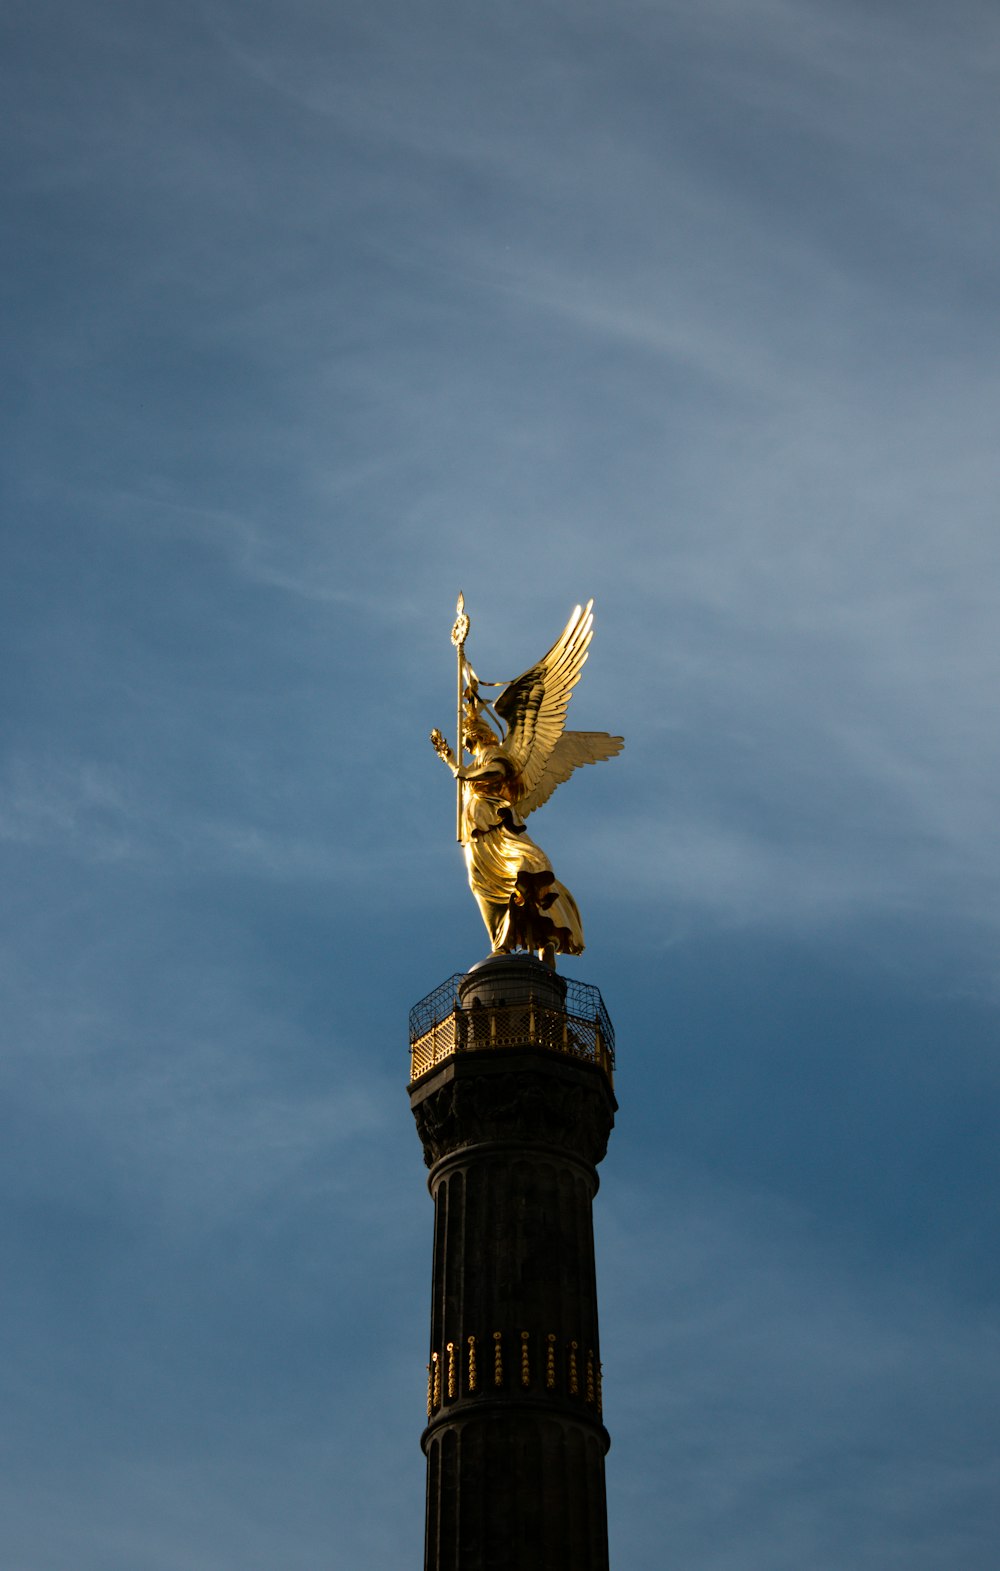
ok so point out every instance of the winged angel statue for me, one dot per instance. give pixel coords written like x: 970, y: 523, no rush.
x: 514, y: 769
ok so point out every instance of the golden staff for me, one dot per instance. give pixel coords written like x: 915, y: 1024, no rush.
x: 459, y: 634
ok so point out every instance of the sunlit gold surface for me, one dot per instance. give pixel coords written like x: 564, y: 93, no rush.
x: 519, y: 752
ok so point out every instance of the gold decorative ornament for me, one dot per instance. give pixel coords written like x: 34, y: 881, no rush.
x: 574, y: 1378
x: 519, y: 752
x: 472, y: 1363
x: 550, y: 1362
x: 452, y: 1386
x: 497, y: 1359
x: 436, y: 1382
x: 430, y: 1392
x: 525, y: 1367
x: 591, y: 1389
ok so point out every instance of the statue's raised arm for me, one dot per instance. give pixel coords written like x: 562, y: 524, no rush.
x: 519, y: 753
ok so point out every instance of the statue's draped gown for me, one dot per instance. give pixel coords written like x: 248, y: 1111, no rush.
x: 523, y: 904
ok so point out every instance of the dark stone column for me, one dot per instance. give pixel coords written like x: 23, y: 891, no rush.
x: 512, y: 1132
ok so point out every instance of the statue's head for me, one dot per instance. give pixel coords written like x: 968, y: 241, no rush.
x: 476, y: 733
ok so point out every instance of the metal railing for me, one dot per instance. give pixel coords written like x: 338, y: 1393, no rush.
x: 440, y: 1026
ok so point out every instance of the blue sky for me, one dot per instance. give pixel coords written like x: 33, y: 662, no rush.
x: 314, y: 315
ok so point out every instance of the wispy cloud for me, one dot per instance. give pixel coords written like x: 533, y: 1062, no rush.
x: 318, y: 317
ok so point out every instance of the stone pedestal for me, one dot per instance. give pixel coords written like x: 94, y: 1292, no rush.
x: 514, y: 1116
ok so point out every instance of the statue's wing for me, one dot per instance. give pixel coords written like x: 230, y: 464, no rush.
x: 533, y: 707
x: 572, y: 749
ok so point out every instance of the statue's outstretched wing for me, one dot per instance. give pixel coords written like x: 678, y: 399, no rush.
x: 572, y: 749
x: 533, y: 708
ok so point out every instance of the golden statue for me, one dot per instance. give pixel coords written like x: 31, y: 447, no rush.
x: 514, y: 769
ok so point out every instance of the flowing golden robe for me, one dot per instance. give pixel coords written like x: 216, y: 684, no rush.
x: 522, y: 902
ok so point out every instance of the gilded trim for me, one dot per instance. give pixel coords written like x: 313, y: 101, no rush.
x: 582, y: 1370
x: 472, y: 1363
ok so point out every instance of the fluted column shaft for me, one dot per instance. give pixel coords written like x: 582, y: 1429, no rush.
x: 515, y: 1441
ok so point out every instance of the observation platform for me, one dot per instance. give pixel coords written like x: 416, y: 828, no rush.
x: 511, y: 1001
